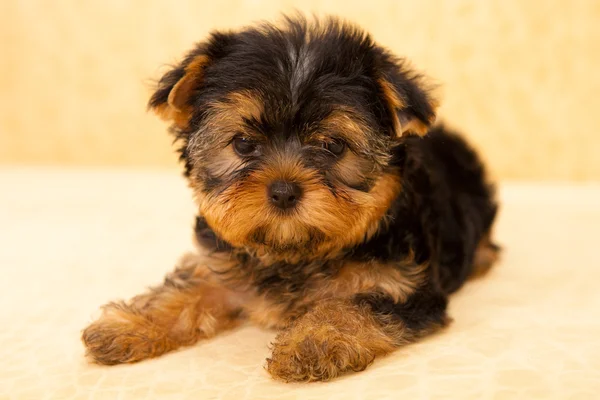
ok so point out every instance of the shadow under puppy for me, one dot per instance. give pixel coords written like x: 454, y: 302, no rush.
x: 328, y: 207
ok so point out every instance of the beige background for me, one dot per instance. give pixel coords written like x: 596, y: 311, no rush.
x: 521, y: 78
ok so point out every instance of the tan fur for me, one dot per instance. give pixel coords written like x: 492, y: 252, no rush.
x: 240, y: 209
x: 350, y: 169
x: 326, y: 334
x: 185, y: 309
x: 290, y: 266
x: 486, y: 255
x: 179, y: 95
x: 236, y: 212
x: 227, y: 163
x: 225, y: 117
x: 345, y: 220
x: 176, y: 109
x: 414, y: 125
x: 268, y: 313
x: 345, y: 123
x: 397, y: 280
x: 224, y: 121
x: 332, y: 338
x: 396, y: 104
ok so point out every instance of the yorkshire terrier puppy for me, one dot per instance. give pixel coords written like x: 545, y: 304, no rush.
x: 329, y: 208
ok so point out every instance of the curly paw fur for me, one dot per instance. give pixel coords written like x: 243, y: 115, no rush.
x: 121, y: 336
x: 332, y: 339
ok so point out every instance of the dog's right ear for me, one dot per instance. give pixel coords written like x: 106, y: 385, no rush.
x: 173, y: 99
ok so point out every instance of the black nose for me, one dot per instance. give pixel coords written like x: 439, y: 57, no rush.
x: 284, y: 194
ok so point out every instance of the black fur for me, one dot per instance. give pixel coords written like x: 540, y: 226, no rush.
x: 444, y: 210
x: 302, y: 73
x: 422, y: 310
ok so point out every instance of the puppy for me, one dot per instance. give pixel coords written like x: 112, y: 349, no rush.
x: 329, y: 208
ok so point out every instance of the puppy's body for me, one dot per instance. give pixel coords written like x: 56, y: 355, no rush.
x: 327, y: 206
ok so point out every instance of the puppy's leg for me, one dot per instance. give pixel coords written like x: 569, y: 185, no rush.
x: 186, y: 308
x: 486, y: 255
x: 338, y: 336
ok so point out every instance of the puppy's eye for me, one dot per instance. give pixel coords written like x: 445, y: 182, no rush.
x: 336, y: 147
x: 244, y: 147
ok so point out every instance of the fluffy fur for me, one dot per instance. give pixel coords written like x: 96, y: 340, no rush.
x: 394, y: 214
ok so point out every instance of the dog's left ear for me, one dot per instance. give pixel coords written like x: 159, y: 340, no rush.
x: 407, y: 98
x: 173, y: 99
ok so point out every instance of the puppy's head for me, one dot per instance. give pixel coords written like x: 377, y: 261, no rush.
x: 289, y: 133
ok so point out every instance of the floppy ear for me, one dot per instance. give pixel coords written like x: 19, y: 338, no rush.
x: 407, y: 98
x: 173, y: 99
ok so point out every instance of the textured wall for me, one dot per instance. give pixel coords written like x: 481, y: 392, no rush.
x: 521, y: 78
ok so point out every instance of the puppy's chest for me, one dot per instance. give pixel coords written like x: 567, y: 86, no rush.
x: 284, y: 292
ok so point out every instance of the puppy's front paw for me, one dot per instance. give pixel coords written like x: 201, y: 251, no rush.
x: 320, y: 355
x: 121, y: 336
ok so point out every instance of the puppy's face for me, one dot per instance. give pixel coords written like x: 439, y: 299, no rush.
x: 289, y: 135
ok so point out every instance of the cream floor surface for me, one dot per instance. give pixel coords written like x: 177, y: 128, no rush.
x: 72, y: 240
